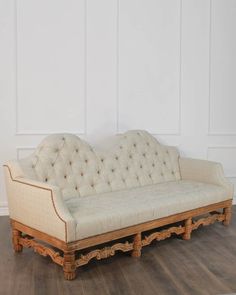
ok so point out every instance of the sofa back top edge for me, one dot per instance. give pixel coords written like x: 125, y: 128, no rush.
x: 132, y: 159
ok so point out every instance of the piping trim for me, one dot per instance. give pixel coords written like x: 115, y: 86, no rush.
x: 44, y: 188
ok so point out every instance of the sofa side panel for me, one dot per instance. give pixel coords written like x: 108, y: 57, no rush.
x: 205, y: 171
x: 39, y: 207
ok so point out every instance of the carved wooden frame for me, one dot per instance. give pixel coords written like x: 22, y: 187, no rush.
x: 25, y: 236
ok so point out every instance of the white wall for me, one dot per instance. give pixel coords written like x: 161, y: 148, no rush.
x: 97, y: 67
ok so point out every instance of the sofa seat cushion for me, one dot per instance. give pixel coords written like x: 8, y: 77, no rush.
x: 111, y: 211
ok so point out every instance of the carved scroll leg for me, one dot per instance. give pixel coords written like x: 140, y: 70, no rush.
x: 137, y: 244
x: 69, y: 266
x: 16, y: 235
x: 228, y: 214
x: 188, y: 229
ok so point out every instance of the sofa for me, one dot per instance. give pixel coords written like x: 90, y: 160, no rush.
x: 68, y: 197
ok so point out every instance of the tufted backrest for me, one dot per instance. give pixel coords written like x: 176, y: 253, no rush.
x: 137, y: 159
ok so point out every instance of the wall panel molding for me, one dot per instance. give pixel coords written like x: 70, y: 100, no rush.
x: 4, y: 210
x: 178, y: 123
x: 224, y: 11
x: 22, y: 131
x: 21, y: 149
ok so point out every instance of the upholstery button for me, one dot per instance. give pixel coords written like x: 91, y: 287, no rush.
x: 123, y: 179
x: 77, y: 150
x: 162, y: 174
x: 150, y: 175
x: 164, y: 162
x: 112, y: 170
x: 116, y: 158
x: 144, y: 154
x: 167, y: 151
x: 121, y: 147
x: 52, y: 164
x: 127, y: 168
x: 82, y: 174
x: 56, y: 150
x: 148, y: 143
x: 156, y: 153
x: 70, y: 163
x: 76, y: 188
x: 46, y: 179
x: 137, y: 178
x: 98, y: 172
x: 134, y: 144
x: 141, y: 166
x: 130, y: 156
x: 92, y: 185
x: 153, y: 165
x: 102, y: 160
x: 172, y: 172
x: 63, y: 138
x: 65, y: 176
x: 86, y: 161
x: 108, y: 183
x: 33, y: 166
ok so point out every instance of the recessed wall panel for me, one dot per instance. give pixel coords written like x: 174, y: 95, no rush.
x: 149, y: 65
x: 222, y: 119
x: 50, y: 61
x: 23, y: 152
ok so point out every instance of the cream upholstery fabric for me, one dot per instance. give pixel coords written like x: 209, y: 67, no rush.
x: 111, y: 211
x: 39, y: 205
x: 205, y: 171
x: 71, y: 164
x: 135, y: 181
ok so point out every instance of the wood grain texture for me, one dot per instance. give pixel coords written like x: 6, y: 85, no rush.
x: 228, y: 215
x: 208, y: 220
x: 162, y: 235
x: 207, y: 267
x: 188, y: 229
x: 38, y: 235
x: 42, y: 250
x: 104, y: 253
x: 69, y: 266
x: 16, y: 235
x: 137, y: 245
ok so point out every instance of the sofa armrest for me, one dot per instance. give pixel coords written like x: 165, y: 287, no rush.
x: 205, y: 171
x: 39, y: 205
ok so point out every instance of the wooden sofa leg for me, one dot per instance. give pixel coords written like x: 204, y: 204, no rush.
x: 16, y: 234
x: 69, y: 267
x: 137, y: 245
x: 228, y: 214
x: 188, y: 229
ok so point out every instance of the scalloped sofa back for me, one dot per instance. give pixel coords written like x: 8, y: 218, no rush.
x: 70, y: 163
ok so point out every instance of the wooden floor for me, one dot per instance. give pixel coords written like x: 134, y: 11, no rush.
x: 204, y: 265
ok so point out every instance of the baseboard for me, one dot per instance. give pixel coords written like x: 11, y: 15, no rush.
x: 4, y: 211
